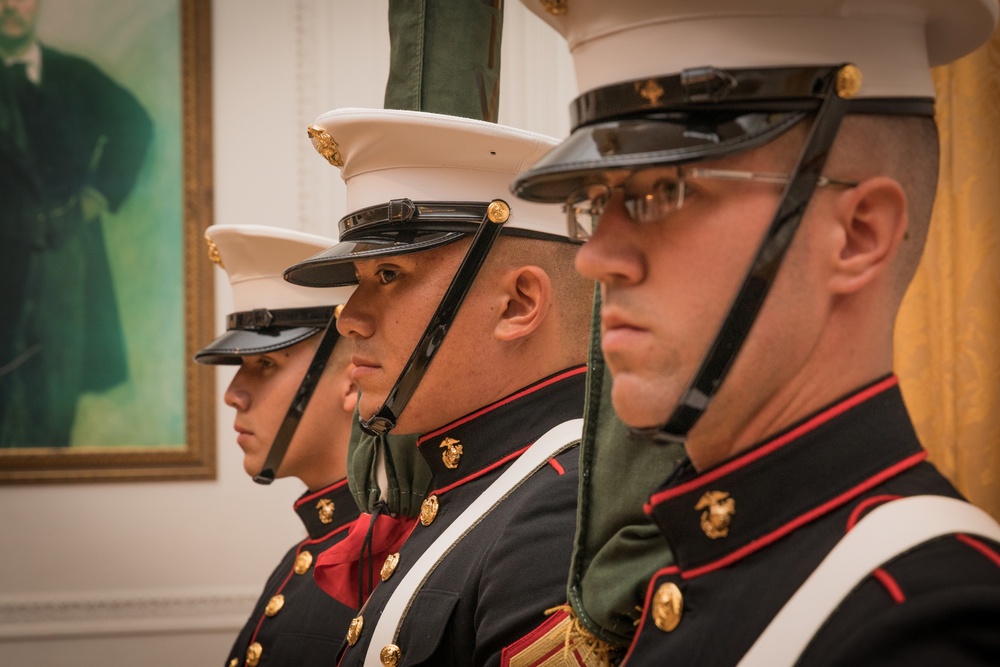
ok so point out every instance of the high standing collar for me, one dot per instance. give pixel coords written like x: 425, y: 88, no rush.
x: 327, y: 510
x: 787, y: 481
x: 499, y: 432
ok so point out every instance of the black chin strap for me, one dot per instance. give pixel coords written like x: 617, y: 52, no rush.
x: 759, y: 278
x: 302, y: 395
x: 384, y: 419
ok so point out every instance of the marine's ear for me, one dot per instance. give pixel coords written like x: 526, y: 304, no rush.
x: 870, y: 223
x: 526, y: 298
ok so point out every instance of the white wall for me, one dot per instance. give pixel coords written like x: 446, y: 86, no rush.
x: 164, y: 573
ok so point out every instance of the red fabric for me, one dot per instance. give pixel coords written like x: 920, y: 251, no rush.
x: 336, y: 570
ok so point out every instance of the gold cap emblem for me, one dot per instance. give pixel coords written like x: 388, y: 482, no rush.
x: 452, y: 452
x: 325, y: 145
x: 719, y: 510
x: 302, y: 562
x: 254, y: 651
x: 354, y: 630
x: 325, y: 508
x: 556, y: 7
x: 667, y: 607
x: 389, y: 566
x: 429, y: 510
x: 274, y: 605
x: 213, y: 251
x: 234, y: 662
x: 650, y: 91
x: 849, y: 81
x: 390, y: 655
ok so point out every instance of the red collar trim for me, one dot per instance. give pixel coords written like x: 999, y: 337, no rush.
x: 322, y: 492
x: 503, y: 401
x: 777, y: 443
x: 323, y: 538
x: 803, y: 519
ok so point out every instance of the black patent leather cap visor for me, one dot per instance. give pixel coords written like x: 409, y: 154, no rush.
x: 230, y: 348
x: 660, y: 139
x: 397, y: 227
x: 334, y: 267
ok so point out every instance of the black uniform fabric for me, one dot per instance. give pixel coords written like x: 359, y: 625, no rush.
x: 308, y: 629
x: 795, y: 496
x: 76, y: 131
x: 496, y: 584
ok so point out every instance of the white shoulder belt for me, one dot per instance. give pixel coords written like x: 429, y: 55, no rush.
x: 553, y: 442
x: 883, y: 534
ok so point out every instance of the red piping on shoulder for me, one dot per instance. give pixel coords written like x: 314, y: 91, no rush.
x: 980, y: 547
x: 322, y: 492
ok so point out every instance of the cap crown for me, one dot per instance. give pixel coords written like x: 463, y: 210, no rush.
x: 387, y: 154
x: 254, y: 258
x: 892, y: 41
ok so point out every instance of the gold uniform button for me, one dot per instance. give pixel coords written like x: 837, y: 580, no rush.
x: 325, y: 508
x: 274, y: 605
x: 390, y: 655
x: 234, y: 662
x: 668, y: 606
x: 354, y: 630
x: 302, y: 562
x: 429, y: 510
x: 254, y: 651
x: 390, y: 565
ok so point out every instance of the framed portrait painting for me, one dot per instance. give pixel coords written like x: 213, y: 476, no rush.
x: 106, y: 161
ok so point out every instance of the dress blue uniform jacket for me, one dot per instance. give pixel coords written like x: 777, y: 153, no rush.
x: 307, y: 628
x: 793, y: 498
x: 495, y: 586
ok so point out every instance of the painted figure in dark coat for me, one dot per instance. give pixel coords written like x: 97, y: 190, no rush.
x: 72, y: 142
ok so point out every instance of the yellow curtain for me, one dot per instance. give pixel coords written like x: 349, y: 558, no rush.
x: 948, y: 333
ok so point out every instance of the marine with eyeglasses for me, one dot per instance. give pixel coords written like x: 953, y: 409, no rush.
x: 754, y: 182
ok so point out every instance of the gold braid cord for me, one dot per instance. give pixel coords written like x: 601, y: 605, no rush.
x: 561, y: 641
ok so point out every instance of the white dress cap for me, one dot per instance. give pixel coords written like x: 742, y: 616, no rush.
x: 392, y: 154
x: 893, y: 42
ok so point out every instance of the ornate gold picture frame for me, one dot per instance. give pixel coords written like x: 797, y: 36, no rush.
x: 157, y: 420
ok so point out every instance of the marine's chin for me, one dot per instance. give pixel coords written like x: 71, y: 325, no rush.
x: 640, y: 404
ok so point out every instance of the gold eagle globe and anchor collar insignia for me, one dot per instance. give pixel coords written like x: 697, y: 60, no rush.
x: 328, y: 510
x: 325, y: 508
x: 718, y: 513
x: 452, y: 452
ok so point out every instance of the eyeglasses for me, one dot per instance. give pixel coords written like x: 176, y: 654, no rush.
x: 645, y: 205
